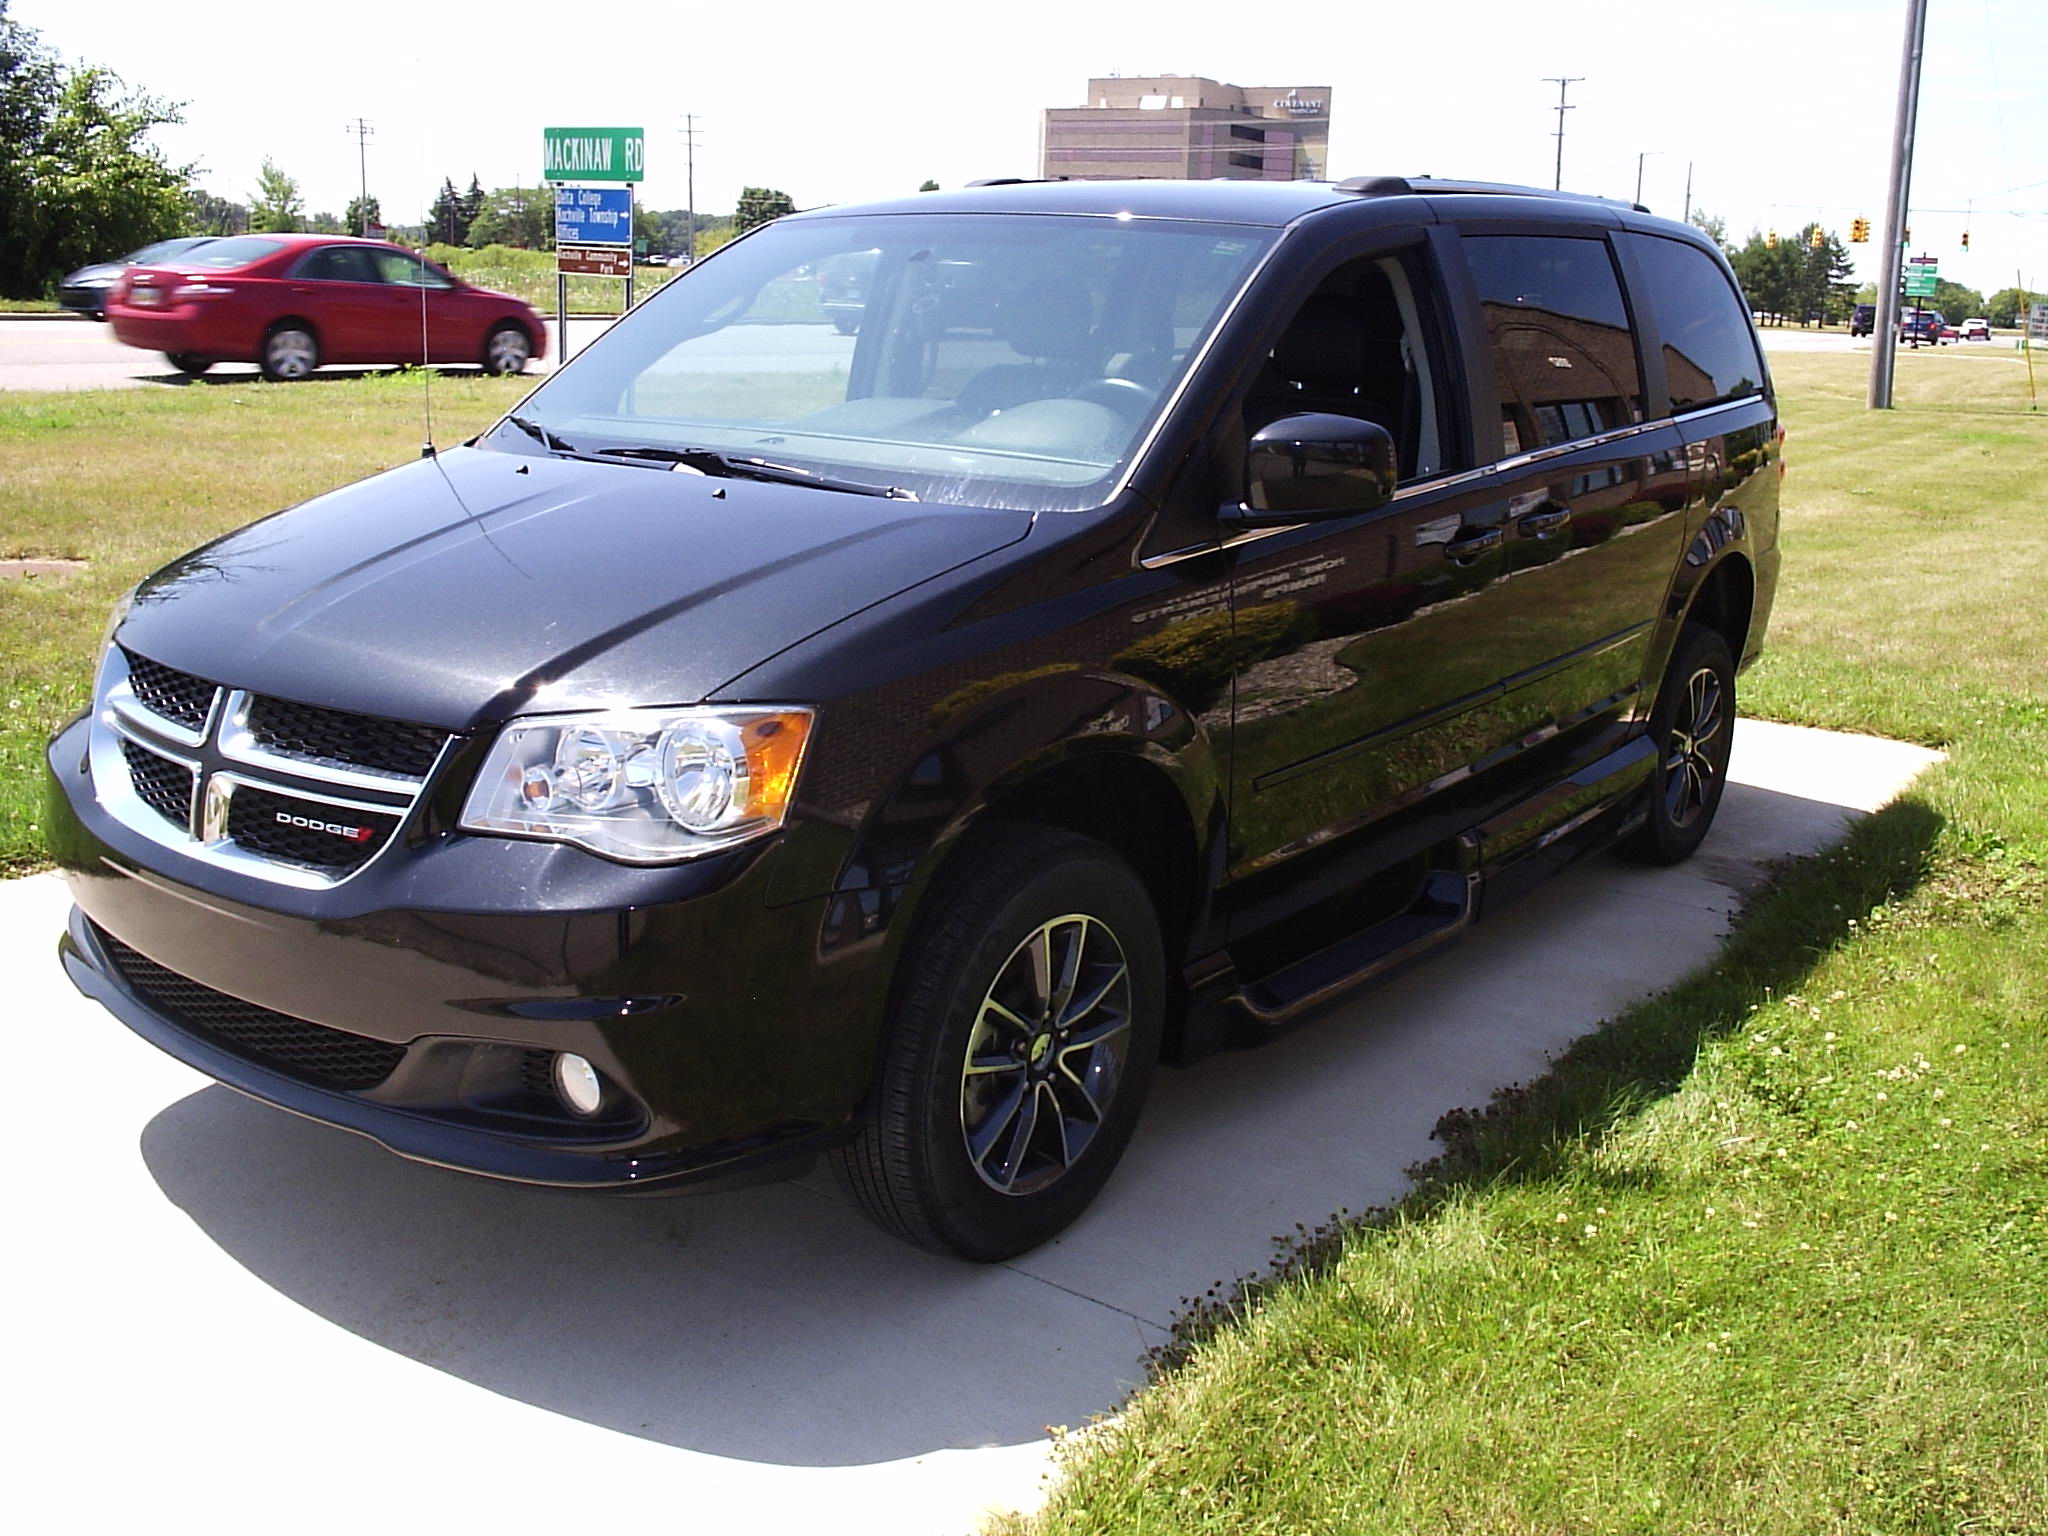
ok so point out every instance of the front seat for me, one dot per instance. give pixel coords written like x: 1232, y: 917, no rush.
x: 1053, y: 327
x: 1325, y: 361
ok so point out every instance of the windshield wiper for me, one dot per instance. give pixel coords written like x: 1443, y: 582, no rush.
x: 543, y: 436
x: 733, y: 466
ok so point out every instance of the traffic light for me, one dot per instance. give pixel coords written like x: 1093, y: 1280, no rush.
x: 1819, y: 239
x: 1908, y: 233
x: 1966, y: 239
x: 1859, y: 231
x: 1771, y: 240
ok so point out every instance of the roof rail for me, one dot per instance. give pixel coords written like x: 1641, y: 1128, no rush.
x: 1376, y: 186
x: 1014, y: 181
x: 1397, y: 186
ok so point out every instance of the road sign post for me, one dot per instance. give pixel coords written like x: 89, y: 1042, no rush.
x: 593, y: 223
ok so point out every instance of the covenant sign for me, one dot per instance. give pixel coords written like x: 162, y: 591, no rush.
x: 593, y: 154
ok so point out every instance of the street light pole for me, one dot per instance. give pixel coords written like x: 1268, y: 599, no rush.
x: 1882, y: 351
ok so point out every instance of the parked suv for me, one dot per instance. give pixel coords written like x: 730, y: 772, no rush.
x: 755, y: 747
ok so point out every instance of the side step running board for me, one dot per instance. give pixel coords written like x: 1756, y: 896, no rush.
x: 1443, y: 911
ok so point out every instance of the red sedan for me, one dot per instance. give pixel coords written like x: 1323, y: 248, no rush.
x: 294, y: 302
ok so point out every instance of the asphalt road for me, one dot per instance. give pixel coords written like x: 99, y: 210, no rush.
x: 217, y: 1304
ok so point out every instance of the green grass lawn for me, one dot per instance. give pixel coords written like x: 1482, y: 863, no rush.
x: 1768, y: 1253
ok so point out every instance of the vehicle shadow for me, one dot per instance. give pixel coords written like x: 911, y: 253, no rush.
x: 776, y: 1326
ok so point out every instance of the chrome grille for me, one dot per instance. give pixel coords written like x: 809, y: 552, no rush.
x: 177, y: 696
x: 335, y: 736
x: 161, y: 784
x: 288, y: 792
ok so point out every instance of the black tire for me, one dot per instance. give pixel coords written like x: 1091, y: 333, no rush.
x: 1011, y: 907
x: 290, y: 351
x: 507, y: 350
x: 1693, y: 727
x: 192, y: 363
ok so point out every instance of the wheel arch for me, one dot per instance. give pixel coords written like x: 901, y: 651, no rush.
x: 1725, y: 601
x: 1127, y: 767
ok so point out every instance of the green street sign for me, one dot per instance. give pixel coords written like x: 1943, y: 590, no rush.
x: 593, y: 154
x: 1920, y: 282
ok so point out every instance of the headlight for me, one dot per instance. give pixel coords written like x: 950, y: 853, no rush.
x: 645, y: 786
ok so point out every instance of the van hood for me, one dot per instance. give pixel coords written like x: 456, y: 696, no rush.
x: 461, y: 590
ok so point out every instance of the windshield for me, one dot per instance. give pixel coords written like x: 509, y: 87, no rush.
x: 164, y: 250
x: 1003, y: 360
x: 237, y: 251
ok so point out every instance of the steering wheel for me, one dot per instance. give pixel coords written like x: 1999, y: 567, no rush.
x: 1128, y: 398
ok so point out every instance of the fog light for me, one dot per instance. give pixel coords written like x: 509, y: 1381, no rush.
x: 578, y: 1083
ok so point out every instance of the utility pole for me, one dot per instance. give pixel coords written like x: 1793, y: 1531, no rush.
x: 1688, y: 192
x: 1562, y: 82
x: 690, y: 182
x: 362, y: 130
x: 1882, y: 347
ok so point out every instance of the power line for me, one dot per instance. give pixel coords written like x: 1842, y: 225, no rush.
x: 1562, y: 82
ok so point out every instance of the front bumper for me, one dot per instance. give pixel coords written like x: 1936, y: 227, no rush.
x: 733, y: 1042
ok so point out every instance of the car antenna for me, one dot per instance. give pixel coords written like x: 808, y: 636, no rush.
x: 426, y: 373
x: 419, y: 165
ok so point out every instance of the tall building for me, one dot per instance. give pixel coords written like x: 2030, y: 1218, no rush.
x: 1186, y: 126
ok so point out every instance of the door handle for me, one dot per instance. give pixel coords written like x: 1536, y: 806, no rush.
x: 1473, y: 545
x: 1543, y: 522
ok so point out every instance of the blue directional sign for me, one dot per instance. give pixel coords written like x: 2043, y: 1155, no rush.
x: 594, y: 216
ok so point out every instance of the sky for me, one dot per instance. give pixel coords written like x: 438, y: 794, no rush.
x: 1780, y: 111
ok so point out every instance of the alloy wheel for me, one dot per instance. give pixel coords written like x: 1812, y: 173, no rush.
x: 1046, y: 1054
x: 1692, y: 757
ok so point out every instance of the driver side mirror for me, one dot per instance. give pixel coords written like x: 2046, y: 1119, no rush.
x: 1315, y: 466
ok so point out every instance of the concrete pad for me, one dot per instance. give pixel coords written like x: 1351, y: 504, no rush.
x: 216, y: 1302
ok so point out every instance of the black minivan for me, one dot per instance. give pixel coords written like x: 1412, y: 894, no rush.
x: 1171, y: 606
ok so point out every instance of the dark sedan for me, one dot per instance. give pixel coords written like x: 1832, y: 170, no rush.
x: 87, y: 290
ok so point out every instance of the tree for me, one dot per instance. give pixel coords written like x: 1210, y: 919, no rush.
x: 1715, y: 226
x: 472, y: 205
x: 760, y: 204
x: 521, y: 216
x: 362, y: 213
x: 325, y: 223
x: 1827, y: 288
x: 1956, y: 301
x: 216, y: 215
x: 275, y: 207
x: 78, y: 180
x: 444, y: 215
x: 1797, y: 280
x: 2008, y: 306
x: 929, y: 186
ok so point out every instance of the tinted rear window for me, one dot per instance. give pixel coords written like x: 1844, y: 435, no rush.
x: 239, y: 251
x: 1562, y: 349
x: 1709, y: 350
